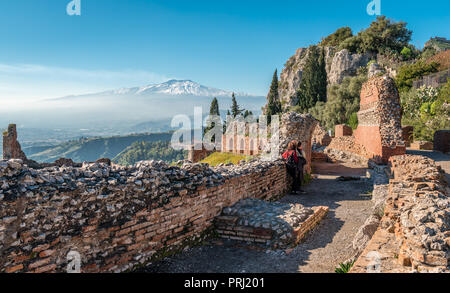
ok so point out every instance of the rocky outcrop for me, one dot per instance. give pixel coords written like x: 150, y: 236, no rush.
x: 338, y: 66
x: 375, y: 70
x: 345, y: 64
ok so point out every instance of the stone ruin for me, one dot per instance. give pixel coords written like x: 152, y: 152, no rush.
x: 298, y: 127
x: 442, y: 141
x: 320, y: 137
x: 243, y: 138
x: 379, y: 120
x: 277, y: 225
x: 413, y: 234
x: 379, y: 134
x: 11, y: 147
x: 119, y: 217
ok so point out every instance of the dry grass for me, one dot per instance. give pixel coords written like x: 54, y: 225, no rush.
x: 223, y: 158
x: 443, y: 58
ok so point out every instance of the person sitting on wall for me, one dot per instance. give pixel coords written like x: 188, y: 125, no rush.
x: 293, y: 160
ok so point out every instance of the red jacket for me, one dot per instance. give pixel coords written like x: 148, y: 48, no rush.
x: 287, y: 154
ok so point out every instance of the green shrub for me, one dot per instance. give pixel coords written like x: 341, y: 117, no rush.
x: 406, y: 53
x: 336, y: 38
x: 382, y: 36
x: 353, y: 121
x: 344, y: 268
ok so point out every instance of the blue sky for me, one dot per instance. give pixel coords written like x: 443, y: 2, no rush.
x: 228, y: 44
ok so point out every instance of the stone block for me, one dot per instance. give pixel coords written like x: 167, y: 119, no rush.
x: 343, y: 130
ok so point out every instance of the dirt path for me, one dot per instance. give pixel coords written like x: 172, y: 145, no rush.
x: 327, y: 246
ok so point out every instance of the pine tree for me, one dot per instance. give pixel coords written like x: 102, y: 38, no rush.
x: 273, y: 99
x: 313, y: 87
x: 235, y: 110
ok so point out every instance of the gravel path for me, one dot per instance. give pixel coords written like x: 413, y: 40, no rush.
x: 327, y: 246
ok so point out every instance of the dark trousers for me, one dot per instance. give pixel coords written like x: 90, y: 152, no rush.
x: 297, y: 178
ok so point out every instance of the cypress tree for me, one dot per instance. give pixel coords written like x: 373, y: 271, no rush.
x: 235, y: 110
x: 273, y: 99
x: 213, y: 111
x: 313, y: 87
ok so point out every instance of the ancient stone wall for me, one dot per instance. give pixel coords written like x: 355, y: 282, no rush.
x: 414, y: 233
x: 379, y: 120
x: 118, y: 217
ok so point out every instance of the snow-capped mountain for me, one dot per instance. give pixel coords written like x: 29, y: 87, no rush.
x: 175, y: 88
x: 156, y: 102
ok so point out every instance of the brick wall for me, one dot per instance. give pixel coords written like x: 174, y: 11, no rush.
x: 118, y: 217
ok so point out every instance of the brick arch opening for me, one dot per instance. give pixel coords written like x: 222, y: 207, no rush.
x: 252, y: 147
x: 242, y: 146
x: 230, y: 145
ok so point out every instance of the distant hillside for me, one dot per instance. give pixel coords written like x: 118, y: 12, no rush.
x: 141, y: 151
x: 91, y: 149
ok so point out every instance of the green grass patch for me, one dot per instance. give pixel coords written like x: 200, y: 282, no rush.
x: 307, y: 178
x: 224, y: 158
